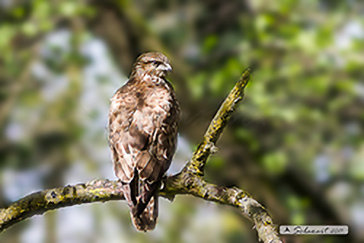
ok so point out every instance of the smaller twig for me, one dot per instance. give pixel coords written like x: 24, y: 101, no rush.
x: 14, y: 92
x: 197, y: 163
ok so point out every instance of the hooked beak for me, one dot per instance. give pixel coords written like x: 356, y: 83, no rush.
x: 165, y: 67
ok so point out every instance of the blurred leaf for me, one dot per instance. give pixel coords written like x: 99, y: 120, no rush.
x: 7, y: 33
x: 356, y: 168
x: 275, y: 163
x: 209, y: 43
x: 30, y: 29
x: 69, y: 8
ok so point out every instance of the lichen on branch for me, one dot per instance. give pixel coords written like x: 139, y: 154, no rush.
x: 197, y: 163
x: 43, y: 201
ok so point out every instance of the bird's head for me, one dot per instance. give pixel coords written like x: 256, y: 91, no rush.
x: 152, y: 63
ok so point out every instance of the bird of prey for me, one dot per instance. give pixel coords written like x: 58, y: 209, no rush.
x: 143, y: 122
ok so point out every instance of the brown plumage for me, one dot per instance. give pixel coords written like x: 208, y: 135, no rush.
x: 143, y: 124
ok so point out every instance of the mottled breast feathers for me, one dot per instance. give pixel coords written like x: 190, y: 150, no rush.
x: 143, y: 123
x: 142, y: 130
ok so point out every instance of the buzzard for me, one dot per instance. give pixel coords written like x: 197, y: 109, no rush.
x: 143, y: 123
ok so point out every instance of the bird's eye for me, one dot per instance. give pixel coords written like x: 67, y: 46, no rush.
x: 156, y: 63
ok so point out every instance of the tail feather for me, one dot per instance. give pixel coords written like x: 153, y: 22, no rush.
x: 146, y: 193
x: 147, y: 220
x: 131, y: 191
x: 142, y: 199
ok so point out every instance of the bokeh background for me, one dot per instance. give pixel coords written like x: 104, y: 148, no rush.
x: 295, y: 142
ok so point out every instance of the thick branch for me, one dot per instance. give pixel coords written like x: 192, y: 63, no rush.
x: 43, y: 201
x: 104, y: 190
x: 188, y: 181
x: 192, y: 184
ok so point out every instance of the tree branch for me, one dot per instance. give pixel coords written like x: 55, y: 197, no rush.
x: 188, y: 181
x: 192, y: 184
x: 207, y: 146
x: 43, y: 201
